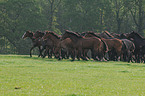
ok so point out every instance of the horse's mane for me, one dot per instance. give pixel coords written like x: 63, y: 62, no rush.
x: 54, y: 34
x: 92, y: 33
x: 73, y: 33
x: 40, y: 33
x: 108, y: 34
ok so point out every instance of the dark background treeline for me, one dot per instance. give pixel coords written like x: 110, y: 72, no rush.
x: 17, y: 16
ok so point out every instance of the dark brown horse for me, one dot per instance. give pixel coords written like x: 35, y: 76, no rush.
x: 81, y: 43
x: 47, y: 44
x: 127, y: 49
x: 55, y: 38
x: 36, y: 41
x: 114, y: 45
x: 139, y: 42
x: 66, y: 47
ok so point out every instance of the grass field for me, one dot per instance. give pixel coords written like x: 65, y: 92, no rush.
x: 24, y: 76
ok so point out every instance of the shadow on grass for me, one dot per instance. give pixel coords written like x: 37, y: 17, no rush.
x: 73, y: 95
x: 130, y: 65
x: 40, y: 58
x: 124, y: 71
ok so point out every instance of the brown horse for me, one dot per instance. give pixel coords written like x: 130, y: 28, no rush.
x: 81, y: 43
x: 36, y: 41
x: 46, y: 44
x: 139, y: 42
x: 66, y: 47
x: 55, y: 38
x: 113, y: 44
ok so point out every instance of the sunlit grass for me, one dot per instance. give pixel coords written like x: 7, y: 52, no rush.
x: 24, y: 76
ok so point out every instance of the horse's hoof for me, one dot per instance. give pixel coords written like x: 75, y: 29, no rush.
x: 72, y: 60
x: 59, y: 58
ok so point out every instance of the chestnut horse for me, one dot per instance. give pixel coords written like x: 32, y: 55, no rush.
x: 36, y: 41
x: 55, y: 38
x: 46, y: 44
x: 81, y: 43
x: 113, y: 45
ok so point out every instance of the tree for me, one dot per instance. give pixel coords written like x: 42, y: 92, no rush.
x: 137, y: 12
x: 17, y: 16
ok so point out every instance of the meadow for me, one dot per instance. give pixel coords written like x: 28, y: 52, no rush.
x: 21, y: 75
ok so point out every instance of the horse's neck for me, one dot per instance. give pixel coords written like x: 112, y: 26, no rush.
x: 55, y: 40
x: 74, y: 39
x: 138, y: 38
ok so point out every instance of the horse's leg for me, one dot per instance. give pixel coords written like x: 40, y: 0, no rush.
x: 68, y: 53
x: 44, y: 47
x: 129, y: 56
x: 143, y: 58
x: 125, y: 55
x: 78, y: 54
x: 63, y: 53
x: 106, y: 56
x: 94, y: 54
x: 46, y: 51
x: 50, y: 52
x: 73, y: 55
x: 40, y: 51
x: 86, y: 53
x: 101, y: 54
x: 31, y: 50
x: 81, y: 54
x: 118, y: 52
x: 60, y: 56
x: 138, y: 57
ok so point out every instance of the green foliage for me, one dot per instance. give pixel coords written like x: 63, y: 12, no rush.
x: 22, y: 76
x: 17, y: 16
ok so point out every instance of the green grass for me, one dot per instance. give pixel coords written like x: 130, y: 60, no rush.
x: 50, y: 77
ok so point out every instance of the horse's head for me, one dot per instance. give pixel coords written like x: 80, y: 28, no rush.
x: 27, y: 34
x: 71, y: 35
x: 123, y: 36
x: 132, y: 35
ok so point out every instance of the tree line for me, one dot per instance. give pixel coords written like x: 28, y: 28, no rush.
x: 18, y: 16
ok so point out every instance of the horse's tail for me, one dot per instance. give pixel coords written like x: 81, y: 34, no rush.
x: 123, y: 46
x: 105, y: 46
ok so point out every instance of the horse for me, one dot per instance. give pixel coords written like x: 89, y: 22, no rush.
x: 81, y: 43
x: 55, y: 38
x: 46, y: 44
x: 127, y: 49
x: 114, y: 45
x: 139, y: 42
x: 36, y: 41
x: 66, y: 46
